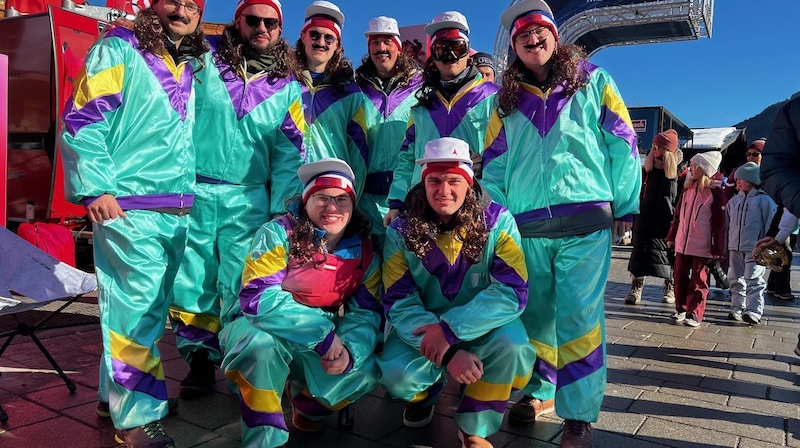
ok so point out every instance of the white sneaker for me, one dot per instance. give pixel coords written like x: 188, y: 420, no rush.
x: 680, y: 317
x: 692, y: 322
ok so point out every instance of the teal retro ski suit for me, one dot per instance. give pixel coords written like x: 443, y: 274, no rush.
x: 566, y: 166
x: 249, y: 142
x: 127, y: 131
x: 289, y: 317
x: 478, y: 307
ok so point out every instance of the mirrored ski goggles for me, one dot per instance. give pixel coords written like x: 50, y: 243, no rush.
x: 449, y: 50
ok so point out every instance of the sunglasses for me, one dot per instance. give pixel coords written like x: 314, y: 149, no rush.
x: 314, y: 35
x: 253, y: 21
x: 753, y: 154
x: 449, y: 50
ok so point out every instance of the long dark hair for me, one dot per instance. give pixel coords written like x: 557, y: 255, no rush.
x: 150, y: 33
x: 303, y: 244
x: 430, y: 81
x: 422, y: 228
x: 568, y: 69
x: 231, y: 48
x: 338, y: 68
x: 405, y: 66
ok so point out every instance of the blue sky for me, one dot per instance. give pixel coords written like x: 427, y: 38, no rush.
x: 751, y: 61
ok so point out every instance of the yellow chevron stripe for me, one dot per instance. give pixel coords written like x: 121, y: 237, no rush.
x: 580, y: 347
x: 204, y: 321
x: 259, y: 400
x: 104, y: 83
x: 614, y: 103
x: 508, y: 250
x: 135, y: 355
x: 267, y: 264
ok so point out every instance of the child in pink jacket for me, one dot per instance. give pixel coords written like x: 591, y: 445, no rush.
x: 697, y: 235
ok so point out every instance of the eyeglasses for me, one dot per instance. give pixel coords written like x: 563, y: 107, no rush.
x: 314, y: 35
x: 753, y: 154
x: 323, y: 200
x: 270, y: 23
x: 174, y: 5
x: 449, y: 50
x: 524, y: 37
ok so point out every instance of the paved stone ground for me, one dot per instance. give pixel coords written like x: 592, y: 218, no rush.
x: 721, y: 385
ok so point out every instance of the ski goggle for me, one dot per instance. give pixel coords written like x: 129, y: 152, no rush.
x: 449, y: 50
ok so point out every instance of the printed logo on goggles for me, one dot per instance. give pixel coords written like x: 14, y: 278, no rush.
x: 449, y: 51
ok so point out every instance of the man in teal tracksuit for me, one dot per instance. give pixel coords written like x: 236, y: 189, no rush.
x: 332, y: 101
x: 561, y: 156
x: 455, y: 101
x: 456, y: 284
x: 129, y: 159
x: 249, y: 142
x: 389, y: 80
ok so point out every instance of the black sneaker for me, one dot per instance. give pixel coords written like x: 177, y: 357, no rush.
x: 417, y: 416
x: 200, y: 379
x: 103, y: 410
x: 151, y: 435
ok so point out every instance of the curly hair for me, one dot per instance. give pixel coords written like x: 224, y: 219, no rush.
x: 421, y: 228
x: 232, y: 46
x: 339, y: 68
x: 405, y: 66
x: 430, y: 81
x: 568, y: 69
x: 303, y: 246
x: 150, y: 33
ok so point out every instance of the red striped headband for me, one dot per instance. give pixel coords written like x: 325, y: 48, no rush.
x: 540, y: 18
x: 449, y: 34
x: 325, y: 22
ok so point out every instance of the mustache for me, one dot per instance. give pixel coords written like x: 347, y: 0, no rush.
x: 381, y: 52
x: 177, y: 18
x: 319, y: 47
x: 532, y: 46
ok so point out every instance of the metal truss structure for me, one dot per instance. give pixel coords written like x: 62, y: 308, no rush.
x: 626, y: 24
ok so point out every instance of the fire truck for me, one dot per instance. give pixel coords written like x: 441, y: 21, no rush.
x: 42, y: 47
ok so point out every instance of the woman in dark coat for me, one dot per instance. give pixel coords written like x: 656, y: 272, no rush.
x: 650, y: 255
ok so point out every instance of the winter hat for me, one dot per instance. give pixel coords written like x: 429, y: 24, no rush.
x: 446, y: 22
x: 384, y: 26
x: 449, y: 155
x: 483, y: 60
x: 326, y: 173
x: 275, y: 4
x: 528, y: 12
x: 667, y: 140
x: 324, y: 14
x: 749, y: 172
x: 708, y: 162
x: 758, y: 145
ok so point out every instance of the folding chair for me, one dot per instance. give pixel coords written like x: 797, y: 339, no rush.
x: 38, y: 279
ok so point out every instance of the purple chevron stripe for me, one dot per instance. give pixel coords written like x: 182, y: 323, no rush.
x: 366, y: 300
x: 325, y: 345
x: 497, y: 148
x: 293, y: 134
x: 247, y: 96
x: 177, y: 91
x: 356, y: 132
x: 614, y: 124
x: 411, y: 135
x: 248, y: 296
x: 531, y: 106
x: 447, y: 121
x: 310, y: 406
x: 387, y: 104
x: 469, y: 404
x: 503, y: 273
x: 399, y: 290
x: 254, y: 419
x: 324, y: 98
x: 450, y: 277
x: 134, y: 379
x: 92, y: 112
x: 197, y: 334
x: 545, y: 370
x: 150, y: 201
x: 581, y: 368
x: 492, y: 214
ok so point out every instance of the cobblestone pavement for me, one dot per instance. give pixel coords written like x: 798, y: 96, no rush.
x: 724, y: 384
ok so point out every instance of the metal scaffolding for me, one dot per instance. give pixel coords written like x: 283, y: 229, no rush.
x: 642, y: 22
